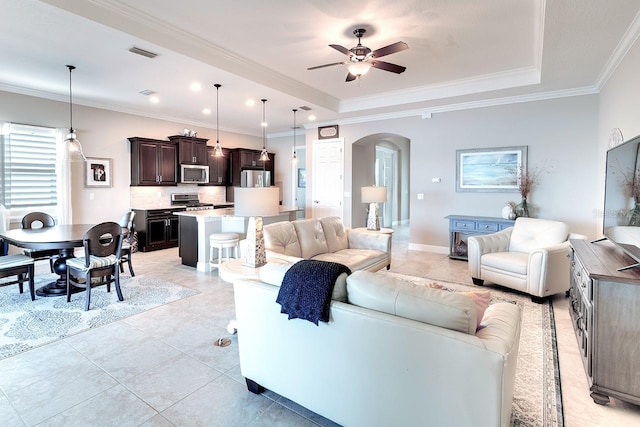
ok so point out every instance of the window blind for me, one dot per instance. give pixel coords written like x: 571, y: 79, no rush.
x: 29, y: 166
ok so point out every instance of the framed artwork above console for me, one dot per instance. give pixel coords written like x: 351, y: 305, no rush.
x: 490, y: 169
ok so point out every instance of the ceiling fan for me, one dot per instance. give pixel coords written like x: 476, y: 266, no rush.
x: 361, y: 58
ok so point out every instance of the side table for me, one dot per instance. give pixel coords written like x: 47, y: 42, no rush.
x: 463, y: 226
x: 233, y: 270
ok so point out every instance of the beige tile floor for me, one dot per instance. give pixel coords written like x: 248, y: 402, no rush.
x: 159, y: 368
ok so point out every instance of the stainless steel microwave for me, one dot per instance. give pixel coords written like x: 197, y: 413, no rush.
x: 194, y: 174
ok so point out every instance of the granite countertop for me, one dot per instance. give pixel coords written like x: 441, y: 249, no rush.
x: 225, y: 212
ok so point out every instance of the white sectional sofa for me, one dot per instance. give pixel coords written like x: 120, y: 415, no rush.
x: 327, y: 239
x: 392, y: 355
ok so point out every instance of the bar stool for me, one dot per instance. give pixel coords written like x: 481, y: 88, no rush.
x: 222, y: 241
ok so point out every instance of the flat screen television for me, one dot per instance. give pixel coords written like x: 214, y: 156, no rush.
x: 619, y: 226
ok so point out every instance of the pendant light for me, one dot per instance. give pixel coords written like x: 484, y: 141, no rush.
x: 294, y: 159
x: 73, y: 145
x: 264, y: 156
x: 217, y: 149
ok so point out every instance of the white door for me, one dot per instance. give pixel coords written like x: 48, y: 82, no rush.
x: 327, y: 182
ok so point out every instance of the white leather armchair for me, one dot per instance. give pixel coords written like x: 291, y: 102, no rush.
x: 531, y: 257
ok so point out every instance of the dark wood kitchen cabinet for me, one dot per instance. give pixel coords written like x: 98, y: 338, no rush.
x: 153, y: 162
x: 192, y: 151
x: 243, y: 158
x: 218, y: 167
x: 157, y: 228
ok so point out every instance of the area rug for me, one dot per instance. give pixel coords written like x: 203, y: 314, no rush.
x: 25, y: 324
x: 537, y: 398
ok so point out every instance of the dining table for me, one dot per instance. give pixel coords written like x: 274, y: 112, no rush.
x: 64, y: 238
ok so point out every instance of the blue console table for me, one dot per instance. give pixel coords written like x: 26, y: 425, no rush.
x: 463, y: 226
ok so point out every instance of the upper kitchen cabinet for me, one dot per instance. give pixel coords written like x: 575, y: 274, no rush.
x: 243, y: 158
x: 192, y: 151
x: 218, y: 167
x: 153, y: 162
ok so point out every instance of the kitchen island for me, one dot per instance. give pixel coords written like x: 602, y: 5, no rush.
x: 197, y: 226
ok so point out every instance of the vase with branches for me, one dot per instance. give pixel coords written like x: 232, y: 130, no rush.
x: 527, y: 179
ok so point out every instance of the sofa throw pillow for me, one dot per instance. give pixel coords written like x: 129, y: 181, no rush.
x: 481, y: 299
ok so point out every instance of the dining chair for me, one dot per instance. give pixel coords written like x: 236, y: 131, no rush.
x: 102, y: 245
x: 21, y: 266
x: 128, y: 229
x: 40, y: 220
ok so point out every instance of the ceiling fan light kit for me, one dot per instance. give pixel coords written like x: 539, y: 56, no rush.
x: 361, y: 58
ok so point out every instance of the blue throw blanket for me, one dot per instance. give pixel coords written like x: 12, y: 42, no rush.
x: 306, y: 289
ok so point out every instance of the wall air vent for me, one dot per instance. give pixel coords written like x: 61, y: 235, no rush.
x: 145, y: 53
x: 305, y: 108
x: 146, y: 92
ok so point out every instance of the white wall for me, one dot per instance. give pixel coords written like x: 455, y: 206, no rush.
x: 619, y: 108
x: 561, y: 135
x: 568, y: 136
x: 104, y: 133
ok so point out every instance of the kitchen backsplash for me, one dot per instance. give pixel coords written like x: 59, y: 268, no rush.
x: 160, y: 197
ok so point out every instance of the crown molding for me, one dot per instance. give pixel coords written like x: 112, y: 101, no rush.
x: 626, y: 42
x: 426, y: 113
x: 489, y: 82
x: 120, y: 16
x: 115, y: 108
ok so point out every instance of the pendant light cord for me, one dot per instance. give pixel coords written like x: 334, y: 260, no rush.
x: 294, y: 134
x: 217, y: 85
x: 71, y: 68
x: 264, y: 125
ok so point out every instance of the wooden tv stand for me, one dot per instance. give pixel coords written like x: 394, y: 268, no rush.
x: 605, y: 310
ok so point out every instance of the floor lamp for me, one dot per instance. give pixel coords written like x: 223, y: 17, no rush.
x: 255, y: 203
x: 373, y: 195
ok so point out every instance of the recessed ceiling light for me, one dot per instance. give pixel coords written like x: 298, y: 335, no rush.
x: 250, y: 103
x: 206, y: 111
x: 154, y: 99
x: 196, y: 87
x: 312, y: 117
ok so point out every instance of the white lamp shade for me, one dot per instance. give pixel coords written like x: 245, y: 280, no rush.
x: 359, y: 68
x: 374, y: 194
x: 256, y: 201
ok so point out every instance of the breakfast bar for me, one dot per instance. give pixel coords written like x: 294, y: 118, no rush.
x: 196, y: 227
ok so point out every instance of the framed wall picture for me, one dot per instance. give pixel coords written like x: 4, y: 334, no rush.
x: 490, y: 169
x: 328, y: 132
x: 302, y: 178
x: 98, y: 172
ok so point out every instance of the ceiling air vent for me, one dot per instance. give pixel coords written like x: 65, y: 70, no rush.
x: 146, y: 53
x: 146, y: 92
x: 305, y: 108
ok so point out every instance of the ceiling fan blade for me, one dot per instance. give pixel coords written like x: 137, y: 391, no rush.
x: 388, y: 66
x: 325, y: 65
x: 341, y: 49
x: 388, y: 50
x: 351, y: 77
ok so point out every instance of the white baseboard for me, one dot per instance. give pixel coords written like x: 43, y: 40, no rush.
x: 401, y: 222
x: 429, y: 248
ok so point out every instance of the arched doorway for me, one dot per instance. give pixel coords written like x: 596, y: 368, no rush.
x: 382, y: 160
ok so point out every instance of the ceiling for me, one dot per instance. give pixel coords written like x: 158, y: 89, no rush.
x: 461, y: 54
